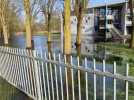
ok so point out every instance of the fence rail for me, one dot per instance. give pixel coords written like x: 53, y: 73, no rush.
x: 45, y: 76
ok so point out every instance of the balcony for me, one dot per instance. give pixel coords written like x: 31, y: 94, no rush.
x: 109, y: 26
x: 128, y: 23
x: 109, y: 17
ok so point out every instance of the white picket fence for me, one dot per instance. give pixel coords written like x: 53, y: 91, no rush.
x: 45, y: 76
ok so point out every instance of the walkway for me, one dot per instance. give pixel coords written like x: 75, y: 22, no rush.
x: 9, y: 92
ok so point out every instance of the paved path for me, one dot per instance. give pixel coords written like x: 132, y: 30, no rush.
x: 8, y: 92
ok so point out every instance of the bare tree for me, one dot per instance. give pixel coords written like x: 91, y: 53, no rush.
x: 31, y: 11
x: 4, y: 19
x: 79, y: 7
x: 47, y: 8
x: 67, y: 30
x: 9, y: 19
x: 28, y: 24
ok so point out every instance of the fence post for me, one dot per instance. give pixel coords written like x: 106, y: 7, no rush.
x: 66, y: 74
x: 94, y: 66
x: 72, y: 75
x: 61, y: 80
x: 43, y: 74
x: 86, y: 74
x: 104, y: 81
x: 48, y: 83
x: 79, y: 78
x: 51, y: 76
x: 37, y: 76
x: 127, y: 73
x: 56, y: 79
x: 114, y: 81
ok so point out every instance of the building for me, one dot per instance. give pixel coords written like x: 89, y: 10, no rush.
x: 117, y: 19
x: 87, y: 24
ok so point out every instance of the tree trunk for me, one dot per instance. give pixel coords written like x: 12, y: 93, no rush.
x: 48, y: 27
x: 67, y: 30
x: 79, y: 28
x: 5, y: 33
x: 131, y: 2
x: 4, y: 20
x: 28, y: 24
x: 67, y: 39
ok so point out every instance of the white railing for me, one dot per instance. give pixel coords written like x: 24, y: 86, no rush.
x: 45, y: 76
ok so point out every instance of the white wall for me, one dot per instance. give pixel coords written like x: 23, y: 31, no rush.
x: 87, y: 27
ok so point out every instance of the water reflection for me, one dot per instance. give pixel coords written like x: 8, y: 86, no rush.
x: 40, y: 43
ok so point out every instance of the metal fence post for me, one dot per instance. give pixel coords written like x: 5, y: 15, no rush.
x: 51, y: 76
x: 37, y: 77
x: 127, y: 73
x: 86, y: 77
x: 72, y: 75
x: 94, y: 66
x: 66, y: 74
x: 114, y: 81
x: 79, y: 78
x: 104, y: 82
x: 56, y: 79
x: 61, y: 80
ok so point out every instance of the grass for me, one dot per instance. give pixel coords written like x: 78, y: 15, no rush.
x: 125, y: 53
x: 119, y: 50
x: 122, y: 51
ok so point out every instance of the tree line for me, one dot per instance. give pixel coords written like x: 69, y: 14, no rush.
x: 10, y: 17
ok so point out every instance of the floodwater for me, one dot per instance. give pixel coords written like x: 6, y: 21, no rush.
x: 40, y: 43
x: 89, y: 49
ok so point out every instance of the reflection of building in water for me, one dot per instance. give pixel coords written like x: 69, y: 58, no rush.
x: 86, y: 35
x: 87, y: 46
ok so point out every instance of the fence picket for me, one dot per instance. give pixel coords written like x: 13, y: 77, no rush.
x: 72, y: 75
x: 114, y: 81
x: 94, y: 66
x: 66, y: 74
x: 127, y: 73
x: 44, y: 80
x: 61, y: 80
x: 37, y: 77
x: 86, y: 74
x: 104, y: 82
x: 47, y: 78
x: 55, y: 68
x: 51, y: 76
x: 79, y: 79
